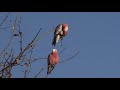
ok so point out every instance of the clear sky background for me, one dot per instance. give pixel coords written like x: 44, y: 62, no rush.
x: 95, y: 34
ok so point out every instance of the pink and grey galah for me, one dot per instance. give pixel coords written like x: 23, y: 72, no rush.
x: 53, y: 59
x: 60, y: 31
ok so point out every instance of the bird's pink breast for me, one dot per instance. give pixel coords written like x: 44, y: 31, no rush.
x: 54, y: 59
x: 65, y: 33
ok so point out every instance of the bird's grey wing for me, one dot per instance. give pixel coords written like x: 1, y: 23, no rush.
x: 58, y: 29
x: 50, y: 67
x: 48, y: 71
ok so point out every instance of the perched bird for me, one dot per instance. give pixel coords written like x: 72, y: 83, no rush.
x: 60, y: 31
x: 53, y: 59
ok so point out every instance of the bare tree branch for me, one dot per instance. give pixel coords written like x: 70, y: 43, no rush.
x: 63, y: 49
x: 70, y: 57
x: 43, y: 35
x: 4, y: 19
x: 37, y: 59
x: 20, y: 54
x: 39, y: 72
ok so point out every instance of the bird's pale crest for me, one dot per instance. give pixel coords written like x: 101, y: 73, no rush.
x: 54, y: 50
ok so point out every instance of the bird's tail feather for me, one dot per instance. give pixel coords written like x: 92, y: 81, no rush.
x: 50, y: 68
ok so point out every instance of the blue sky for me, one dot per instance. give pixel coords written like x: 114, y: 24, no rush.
x: 95, y: 34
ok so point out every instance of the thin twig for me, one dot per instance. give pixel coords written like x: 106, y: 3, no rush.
x: 4, y: 19
x: 64, y: 48
x: 39, y: 72
x: 7, y: 46
x: 70, y: 57
x: 28, y: 65
x: 37, y: 59
x: 14, y: 27
x: 9, y: 55
x: 20, y: 41
x: 29, y: 50
x: 20, y: 33
x: 43, y: 35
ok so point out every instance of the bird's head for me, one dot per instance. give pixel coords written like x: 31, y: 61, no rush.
x: 54, y: 51
x: 65, y: 26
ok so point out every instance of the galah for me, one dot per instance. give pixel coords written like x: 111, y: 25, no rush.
x: 60, y: 31
x: 53, y: 59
